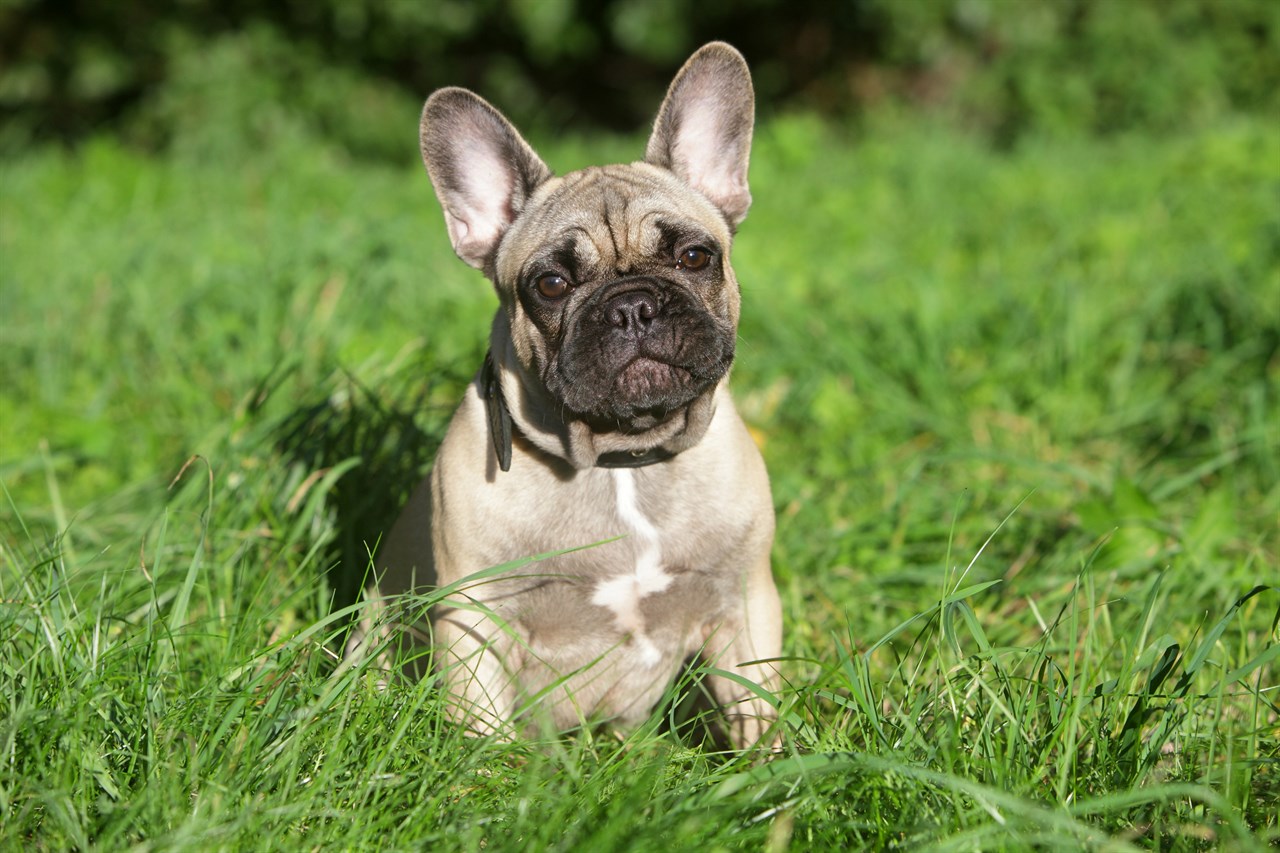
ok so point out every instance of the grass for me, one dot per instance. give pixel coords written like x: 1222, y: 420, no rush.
x: 1020, y: 411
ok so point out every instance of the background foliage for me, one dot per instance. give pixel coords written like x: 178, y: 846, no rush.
x: 351, y: 68
x: 1010, y: 345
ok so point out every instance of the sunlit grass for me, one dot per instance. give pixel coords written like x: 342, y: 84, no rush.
x: 1019, y: 411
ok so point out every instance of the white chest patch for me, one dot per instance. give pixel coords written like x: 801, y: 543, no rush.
x: 622, y: 594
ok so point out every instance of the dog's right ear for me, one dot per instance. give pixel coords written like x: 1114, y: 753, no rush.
x: 703, y: 130
x: 482, y: 169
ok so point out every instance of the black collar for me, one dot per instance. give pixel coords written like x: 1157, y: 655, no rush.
x: 500, y: 426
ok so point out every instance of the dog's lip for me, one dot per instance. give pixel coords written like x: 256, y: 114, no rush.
x: 647, y: 365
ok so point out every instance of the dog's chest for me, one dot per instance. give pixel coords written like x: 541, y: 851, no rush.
x: 644, y: 594
x: 623, y: 593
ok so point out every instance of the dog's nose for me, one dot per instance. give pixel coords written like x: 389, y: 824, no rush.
x: 633, y: 310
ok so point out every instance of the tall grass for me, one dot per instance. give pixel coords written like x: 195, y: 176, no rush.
x: 1020, y: 412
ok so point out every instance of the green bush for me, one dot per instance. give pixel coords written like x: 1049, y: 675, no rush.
x: 353, y: 68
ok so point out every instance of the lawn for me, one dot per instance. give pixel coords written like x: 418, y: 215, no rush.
x: 1021, y: 409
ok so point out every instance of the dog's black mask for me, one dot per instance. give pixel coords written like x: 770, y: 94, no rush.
x: 637, y: 350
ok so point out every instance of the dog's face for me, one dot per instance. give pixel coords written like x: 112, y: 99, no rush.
x: 615, y: 280
x: 620, y: 294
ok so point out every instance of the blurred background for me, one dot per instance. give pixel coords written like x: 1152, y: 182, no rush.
x: 1010, y: 335
x: 208, y: 72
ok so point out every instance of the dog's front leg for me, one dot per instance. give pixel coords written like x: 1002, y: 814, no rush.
x: 474, y: 657
x: 748, y: 644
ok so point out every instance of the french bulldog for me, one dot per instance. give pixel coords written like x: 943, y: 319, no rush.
x: 601, y: 418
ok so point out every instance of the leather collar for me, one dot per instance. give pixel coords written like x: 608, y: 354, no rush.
x: 500, y: 428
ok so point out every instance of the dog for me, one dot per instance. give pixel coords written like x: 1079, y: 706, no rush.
x: 601, y: 418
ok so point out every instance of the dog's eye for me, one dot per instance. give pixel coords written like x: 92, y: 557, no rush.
x: 693, y: 259
x: 552, y: 285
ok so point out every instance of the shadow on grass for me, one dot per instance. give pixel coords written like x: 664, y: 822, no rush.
x: 393, y: 432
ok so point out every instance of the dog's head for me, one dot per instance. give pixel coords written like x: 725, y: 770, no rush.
x: 615, y: 280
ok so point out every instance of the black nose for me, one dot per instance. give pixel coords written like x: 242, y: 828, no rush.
x: 633, y: 310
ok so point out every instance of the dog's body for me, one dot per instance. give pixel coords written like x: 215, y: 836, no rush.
x: 602, y: 413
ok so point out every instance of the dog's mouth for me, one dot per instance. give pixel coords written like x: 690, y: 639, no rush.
x: 638, y: 354
x: 642, y: 395
x: 647, y: 377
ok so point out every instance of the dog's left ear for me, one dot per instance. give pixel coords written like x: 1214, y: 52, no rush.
x: 703, y: 130
x: 481, y: 167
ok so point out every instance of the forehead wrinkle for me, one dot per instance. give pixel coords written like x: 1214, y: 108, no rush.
x: 645, y: 225
x: 608, y: 195
x: 615, y: 219
x: 587, y: 241
x: 598, y: 199
x: 574, y: 237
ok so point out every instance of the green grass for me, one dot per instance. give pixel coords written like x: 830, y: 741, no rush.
x: 1022, y: 414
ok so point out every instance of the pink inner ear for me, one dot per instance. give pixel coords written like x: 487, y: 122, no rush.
x: 704, y: 160
x: 705, y: 151
x: 471, y: 244
x: 482, y: 204
x: 709, y: 165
